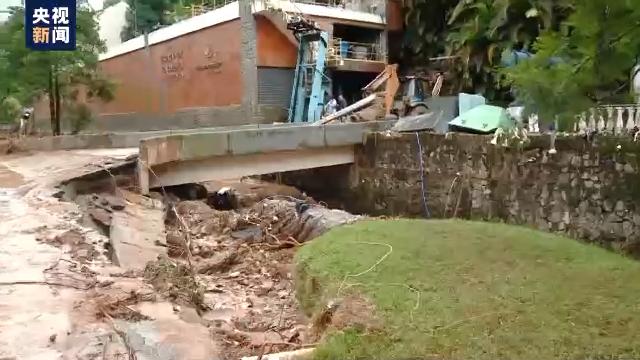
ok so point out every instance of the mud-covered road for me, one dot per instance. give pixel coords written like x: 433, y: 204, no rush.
x: 93, y: 270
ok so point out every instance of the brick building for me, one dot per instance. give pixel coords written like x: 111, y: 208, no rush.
x: 235, y: 64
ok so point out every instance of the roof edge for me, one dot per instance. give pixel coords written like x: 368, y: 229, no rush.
x: 231, y: 12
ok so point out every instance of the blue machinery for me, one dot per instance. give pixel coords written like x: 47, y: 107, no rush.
x: 310, y: 85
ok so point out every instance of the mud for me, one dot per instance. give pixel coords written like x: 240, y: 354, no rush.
x: 10, y: 179
x: 220, y: 284
x: 40, y: 284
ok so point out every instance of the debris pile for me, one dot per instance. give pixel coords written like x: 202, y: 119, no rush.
x: 176, y: 282
x: 293, y: 221
x: 80, y: 249
x: 120, y: 306
x: 228, y: 265
x: 242, y: 261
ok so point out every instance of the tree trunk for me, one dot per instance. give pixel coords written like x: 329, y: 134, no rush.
x: 52, y: 104
x: 58, y: 108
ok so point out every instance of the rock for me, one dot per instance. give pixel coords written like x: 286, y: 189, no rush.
x: 220, y: 262
x: 116, y: 203
x: 267, y: 285
x: 190, y: 315
x: 100, y: 216
x: 71, y: 237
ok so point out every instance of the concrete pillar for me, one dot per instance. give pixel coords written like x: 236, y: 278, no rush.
x: 248, y: 51
x: 143, y: 177
x: 384, y: 36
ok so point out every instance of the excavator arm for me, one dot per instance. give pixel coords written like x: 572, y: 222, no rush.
x: 388, y: 77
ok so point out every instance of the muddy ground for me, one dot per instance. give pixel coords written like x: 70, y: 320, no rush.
x: 218, y: 283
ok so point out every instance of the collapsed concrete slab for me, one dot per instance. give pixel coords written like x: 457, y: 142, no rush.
x: 135, y: 234
x: 167, y: 336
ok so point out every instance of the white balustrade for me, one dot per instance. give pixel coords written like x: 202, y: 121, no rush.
x: 615, y: 119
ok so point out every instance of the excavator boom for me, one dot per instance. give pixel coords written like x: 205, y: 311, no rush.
x: 389, y: 77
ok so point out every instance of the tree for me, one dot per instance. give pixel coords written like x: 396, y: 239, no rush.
x: 59, y: 75
x: 144, y: 16
x: 476, y: 32
x: 597, y: 46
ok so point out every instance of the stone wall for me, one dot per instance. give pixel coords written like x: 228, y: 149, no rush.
x: 589, y: 191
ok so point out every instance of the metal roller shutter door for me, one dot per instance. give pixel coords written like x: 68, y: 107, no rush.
x: 274, y: 86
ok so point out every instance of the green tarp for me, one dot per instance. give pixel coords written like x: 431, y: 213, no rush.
x: 483, y: 119
x: 467, y: 102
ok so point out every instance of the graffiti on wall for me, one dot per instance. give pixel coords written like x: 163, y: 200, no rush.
x: 172, y: 66
x: 211, y: 61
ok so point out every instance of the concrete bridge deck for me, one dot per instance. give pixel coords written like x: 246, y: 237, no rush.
x: 218, y: 155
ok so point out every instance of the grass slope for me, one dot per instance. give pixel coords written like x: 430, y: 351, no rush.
x: 467, y: 290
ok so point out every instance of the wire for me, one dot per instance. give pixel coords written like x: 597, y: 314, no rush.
x: 422, y: 179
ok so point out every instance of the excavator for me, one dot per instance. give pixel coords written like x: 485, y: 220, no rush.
x: 403, y: 96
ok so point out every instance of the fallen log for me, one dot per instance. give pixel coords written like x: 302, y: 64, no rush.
x: 348, y: 110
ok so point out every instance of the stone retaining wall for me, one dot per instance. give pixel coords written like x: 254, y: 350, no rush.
x: 587, y: 190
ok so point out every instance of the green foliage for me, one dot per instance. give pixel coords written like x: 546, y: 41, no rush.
x: 149, y: 15
x: 146, y: 16
x: 477, y: 32
x: 79, y: 116
x: 27, y: 75
x: 469, y: 290
x: 10, y: 109
x: 598, y: 45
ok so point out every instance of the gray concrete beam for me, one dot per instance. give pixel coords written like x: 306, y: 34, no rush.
x: 229, y: 153
x: 120, y: 139
x: 237, y: 166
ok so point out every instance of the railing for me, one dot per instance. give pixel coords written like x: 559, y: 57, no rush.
x: 377, y: 7
x: 612, y: 119
x: 341, y: 50
x: 206, y: 6
x: 616, y: 119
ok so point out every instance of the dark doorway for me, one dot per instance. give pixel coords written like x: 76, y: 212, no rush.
x: 350, y: 83
x: 356, y: 33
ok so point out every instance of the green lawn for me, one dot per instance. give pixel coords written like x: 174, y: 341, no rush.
x: 468, y: 290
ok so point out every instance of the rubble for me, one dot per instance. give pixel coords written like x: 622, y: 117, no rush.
x: 80, y: 249
x: 243, y: 260
x: 293, y: 221
x: 119, y: 307
x: 176, y: 282
x: 301, y: 354
x: 101, y: 216
x: 219, y: 262
x: 182, y: 267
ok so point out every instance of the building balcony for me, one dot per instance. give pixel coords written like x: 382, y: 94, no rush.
x: 355, y: 56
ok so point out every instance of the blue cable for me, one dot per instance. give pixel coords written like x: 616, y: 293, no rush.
x: 422, y: 181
